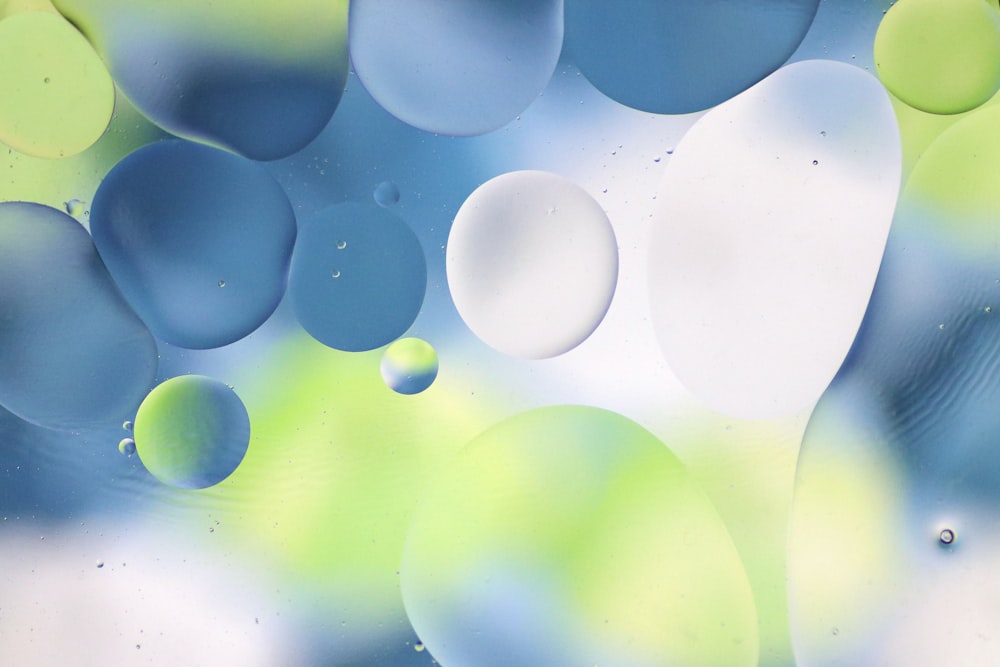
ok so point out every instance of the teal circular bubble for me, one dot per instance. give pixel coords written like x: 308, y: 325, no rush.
x: 72, y: 352
x: 456, y: 67
x: 261, y: 79
x: 192, y: 431
x: 358, y: 277
x: 685, y: 55
x: 197, y: 239
x: 386, y: 194
x: 409, y: 366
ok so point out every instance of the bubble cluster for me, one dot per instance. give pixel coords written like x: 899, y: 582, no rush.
x: 456, y: 67
x: 751, y: 296
x: 192, y: 432
x: 532, y: 264
x: 685, y: 55
x: 175, y: 221
x: 358, y: 276
x: 409, y: 366
x: 225, y: 73
x: 72, y: 352
x: 940, y: 57
x: 58, y: 95
x: 555, y: 534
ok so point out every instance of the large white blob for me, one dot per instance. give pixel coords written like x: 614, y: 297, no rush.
x: 774, y: 214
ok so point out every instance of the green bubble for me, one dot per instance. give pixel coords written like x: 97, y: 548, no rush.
x: 940, y: 56
x: 58, y: 96
x: 191, y: 431
x: 409, y: 366
x: 571, y: 535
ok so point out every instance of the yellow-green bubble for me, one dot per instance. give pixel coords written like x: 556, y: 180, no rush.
x: 192, y: 431
x: 409, y: 366
x: 58, y: 96
x: 940, y: 56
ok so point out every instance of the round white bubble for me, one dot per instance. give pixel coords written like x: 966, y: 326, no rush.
x: 532, y: 264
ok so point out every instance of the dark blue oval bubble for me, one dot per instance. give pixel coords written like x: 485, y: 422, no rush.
x: 239, y: 84
x: 72, y: 352
x: 684, y: 55
x: 197, y: 239
x: 358, y: 277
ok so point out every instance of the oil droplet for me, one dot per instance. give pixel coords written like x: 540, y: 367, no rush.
x: 947, y: 536
x: 341, y: 245
x: 127, y: 446
x: 99, y: 564
x: 335, y: 274
x: 418, y: 647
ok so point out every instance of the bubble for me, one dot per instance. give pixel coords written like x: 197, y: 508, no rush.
x: 456, y: 67
x: 386, y: 194
x: 225, y: 73
x: 341, y: 245
x: 940, y: 57
x: 555, y: 534
x: 774, y: 248
x: 947, y: 536
x: 681, y: 56
x: 99, y: 564
x: 58, y: 100
x: 127, y: 425
x: 172, y: 217
x: 72, y: 353
x: 532, y: 264
x: 380, y: 280
x: 409, y: 366
x: 192, y: 431
x: 127, y: 446
x: 74, y: 207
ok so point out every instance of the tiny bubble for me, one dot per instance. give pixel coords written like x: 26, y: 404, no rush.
x: 947, y: 536
x: 335, y: 274
x: 656, y: 159
x: 47, y: 80
x: 127, y: 425
x: 835, y: 631
x: 815, y: 162
x: 988, y: 309
x: 99, y: 564
x: 222, y: 283
x: 418, y: 647
x: 341, y: 245
x: 941, y: 326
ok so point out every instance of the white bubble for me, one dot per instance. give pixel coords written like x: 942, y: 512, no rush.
x: 761, y: 264
x: 532, y: 264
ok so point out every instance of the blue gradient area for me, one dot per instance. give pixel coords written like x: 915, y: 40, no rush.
x: 682, y: 56
x: 198, y: 239
x: 72, y: 353
x: 455, y: 67
x: 358, y: 277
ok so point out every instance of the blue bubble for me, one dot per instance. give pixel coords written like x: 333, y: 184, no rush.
x: 358, y: 277
x: 409, y: 366
x: 685, y: 55
x: 225, y: 73
x: 386, y: 194
x: 456, y: 67
x: 197, y: 239
x: 72, y: 352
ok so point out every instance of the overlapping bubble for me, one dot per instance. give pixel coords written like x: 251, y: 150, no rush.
x: 532, y: 264
x: 225, y: 73
x: 773, y: 213
x: 682, y: 56
x: 894, y: 528
x: 72, y: 352
x: 571, y: 535
x: 198, y: 240
x: 456, y: 67
x: 358, y: 276
x: 191, y: 432
x: 940, y: 57
x: 58, y: 94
